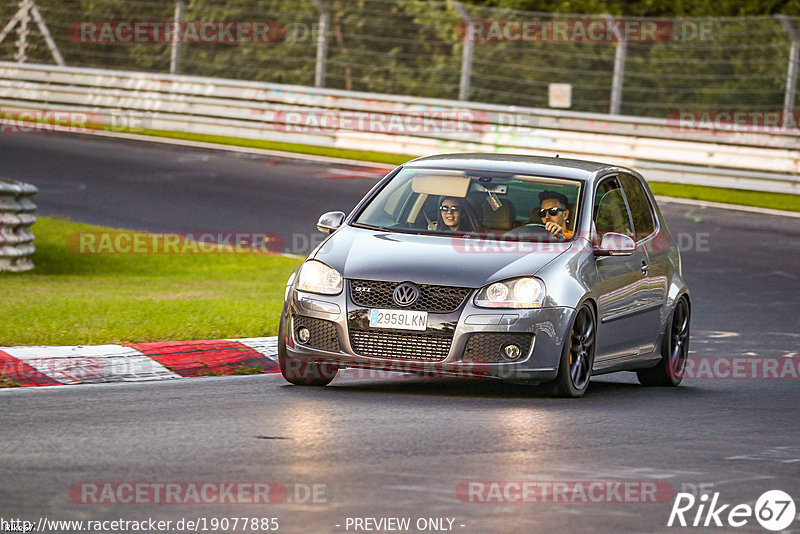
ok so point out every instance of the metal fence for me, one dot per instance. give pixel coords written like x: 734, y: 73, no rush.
x: 433, y: 49
x: 16, y: 217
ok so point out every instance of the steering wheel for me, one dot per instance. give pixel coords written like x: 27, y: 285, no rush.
x: 538, y: 227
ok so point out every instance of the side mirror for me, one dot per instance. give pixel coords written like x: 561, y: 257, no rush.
x: 330, y: 222
x: 614, y: 244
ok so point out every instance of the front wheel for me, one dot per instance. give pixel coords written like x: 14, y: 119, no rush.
x: 307, y: 373
x: 674, y: 350
x: 577, y: 358
x: 302, y: 372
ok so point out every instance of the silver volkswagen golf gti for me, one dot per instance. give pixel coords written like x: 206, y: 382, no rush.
x: 526, y: 269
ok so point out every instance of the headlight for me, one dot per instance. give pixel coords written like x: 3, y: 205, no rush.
x: 289, y: 283
x: 316, y: 277
x: 517, y: 293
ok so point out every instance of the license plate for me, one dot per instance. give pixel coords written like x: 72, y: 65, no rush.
x: 398, y: 319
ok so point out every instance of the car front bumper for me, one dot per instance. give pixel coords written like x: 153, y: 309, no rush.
x: 338, y: 328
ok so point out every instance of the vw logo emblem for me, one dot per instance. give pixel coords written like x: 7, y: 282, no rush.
x: 405, y: 294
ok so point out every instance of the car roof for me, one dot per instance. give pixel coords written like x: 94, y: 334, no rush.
x: 538, y: 165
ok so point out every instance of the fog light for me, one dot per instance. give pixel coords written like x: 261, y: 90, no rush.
x: 511, y: 352
x: 303, y: 334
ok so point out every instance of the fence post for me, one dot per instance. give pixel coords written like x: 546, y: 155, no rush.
x: 619, y: 70
x: 23, y: 31
x: 466, y: 57
x: 175, y: 54
x: 791, y: 72
x: 48, y: 38
x: 322, y: 43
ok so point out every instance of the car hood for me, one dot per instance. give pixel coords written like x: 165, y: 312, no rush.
x: 377, y: 255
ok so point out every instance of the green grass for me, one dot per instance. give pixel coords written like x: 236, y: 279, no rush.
x: 777, y: 201
x: 73, y: 299
x: 361, y: 155
x: 248, y: 371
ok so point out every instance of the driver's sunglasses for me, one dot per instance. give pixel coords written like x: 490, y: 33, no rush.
x: 445, y: 209
x: 552, y: 211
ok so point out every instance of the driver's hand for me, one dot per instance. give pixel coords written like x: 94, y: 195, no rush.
x: 554, y: 228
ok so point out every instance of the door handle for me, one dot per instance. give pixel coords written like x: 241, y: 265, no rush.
x: 645, y: 268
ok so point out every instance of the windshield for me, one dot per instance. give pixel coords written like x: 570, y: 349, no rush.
x: 485, y: 203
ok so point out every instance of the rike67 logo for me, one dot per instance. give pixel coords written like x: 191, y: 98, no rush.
x: 774, y: 510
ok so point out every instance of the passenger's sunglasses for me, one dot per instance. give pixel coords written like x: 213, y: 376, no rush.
x: 552, y: 211
x: 445, y: 209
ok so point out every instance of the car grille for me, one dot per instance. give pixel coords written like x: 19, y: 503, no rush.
x: 487, y: 347
x: 436, y: 299
x: 400, y: 345
x: 323, y: 333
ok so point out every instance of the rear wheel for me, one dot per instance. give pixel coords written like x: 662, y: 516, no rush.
x: 302, y: 372
x: 674, y: 351
x: 577, y: 358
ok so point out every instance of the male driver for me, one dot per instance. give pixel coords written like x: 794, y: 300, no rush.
x: 554, y: 213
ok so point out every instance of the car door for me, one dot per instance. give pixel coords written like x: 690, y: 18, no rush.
x: 621, y: 286
x: 654, y: 292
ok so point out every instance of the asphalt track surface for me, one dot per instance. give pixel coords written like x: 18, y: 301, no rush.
x: 401, y: 447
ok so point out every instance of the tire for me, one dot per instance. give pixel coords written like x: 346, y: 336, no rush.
x: 674, y: 350
x: 302, y: 372
x: 577, y: 357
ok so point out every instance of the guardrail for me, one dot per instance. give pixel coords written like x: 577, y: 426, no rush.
x: 659, y: 148
x: 16, y: 217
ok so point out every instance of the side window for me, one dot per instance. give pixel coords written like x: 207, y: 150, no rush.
x: 641, y: 211
x: 611, y: 212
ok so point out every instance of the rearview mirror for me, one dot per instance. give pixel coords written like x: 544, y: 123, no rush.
x: 614, y: 244
x: 330, y: 222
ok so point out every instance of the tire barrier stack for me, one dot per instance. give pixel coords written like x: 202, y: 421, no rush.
x: 16, y: 217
